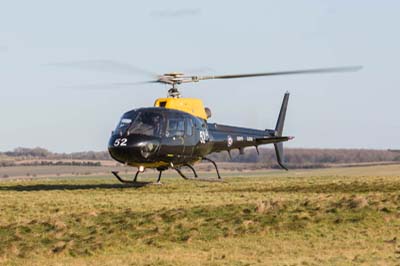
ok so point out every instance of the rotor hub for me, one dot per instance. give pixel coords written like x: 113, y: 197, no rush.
x: 173, y: 78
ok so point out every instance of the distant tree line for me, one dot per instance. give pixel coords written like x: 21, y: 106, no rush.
x: 295, y: 158
x: 49, y: 163
x: 58, y: 163
x: 33, y: 153
x: 309, y: 158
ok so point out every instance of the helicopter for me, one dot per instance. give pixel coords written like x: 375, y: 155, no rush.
x: 175, y: 132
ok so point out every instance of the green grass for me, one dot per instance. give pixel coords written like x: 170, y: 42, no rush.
x: 346, y: 216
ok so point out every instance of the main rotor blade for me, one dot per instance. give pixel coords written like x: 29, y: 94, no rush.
x: 109, y: 66
x: 280, y: 73
x: 110, y: 86
x: 198, y: 70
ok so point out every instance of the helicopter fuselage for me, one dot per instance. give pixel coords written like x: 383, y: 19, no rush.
x: 158, y: 137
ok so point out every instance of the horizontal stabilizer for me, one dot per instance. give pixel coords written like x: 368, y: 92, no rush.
x: 272, y: 139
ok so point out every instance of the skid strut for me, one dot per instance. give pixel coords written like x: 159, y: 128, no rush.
x: 191, y: 168
x: 136, y: 175
x: 180, y: 173
x: 215, y: 165
x: 159, y: 176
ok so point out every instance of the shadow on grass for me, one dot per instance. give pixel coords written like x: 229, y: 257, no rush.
x: 49, y: 187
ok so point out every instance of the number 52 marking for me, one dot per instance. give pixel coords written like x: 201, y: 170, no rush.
x: 120, y: 142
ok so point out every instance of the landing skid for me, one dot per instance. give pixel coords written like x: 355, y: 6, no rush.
x: 196, y: 178
x: 204, y: 179
x: 134, y: 182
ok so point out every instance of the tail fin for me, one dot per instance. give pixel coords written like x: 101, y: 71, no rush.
x: 282, y: 115
x: 279, y: 130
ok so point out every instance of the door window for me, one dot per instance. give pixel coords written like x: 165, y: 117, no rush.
x: 175, y: 127
x: 189, y: 127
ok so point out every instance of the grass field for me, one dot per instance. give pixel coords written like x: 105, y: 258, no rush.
x: 343, y: 216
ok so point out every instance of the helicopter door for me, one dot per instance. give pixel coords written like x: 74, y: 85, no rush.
x: 173, y: 142
x: 190, y: 137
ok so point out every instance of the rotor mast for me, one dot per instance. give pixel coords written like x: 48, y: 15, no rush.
x: 174, y: 92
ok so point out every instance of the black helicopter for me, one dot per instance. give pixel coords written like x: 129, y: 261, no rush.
x: 175, y: 132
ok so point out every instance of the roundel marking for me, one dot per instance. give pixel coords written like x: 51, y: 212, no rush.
x: 229, y: 141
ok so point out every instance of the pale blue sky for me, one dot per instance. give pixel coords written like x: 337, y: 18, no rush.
x: 40, y: 107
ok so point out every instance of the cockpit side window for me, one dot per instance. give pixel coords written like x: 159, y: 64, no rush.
x: 198, y: 123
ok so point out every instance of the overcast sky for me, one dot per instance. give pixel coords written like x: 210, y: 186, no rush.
x: 47, y: 106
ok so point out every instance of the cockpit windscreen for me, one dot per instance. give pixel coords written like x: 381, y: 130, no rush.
x: 147, y: 123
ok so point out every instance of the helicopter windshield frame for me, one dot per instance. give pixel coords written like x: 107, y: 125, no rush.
x: 125, y: 122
